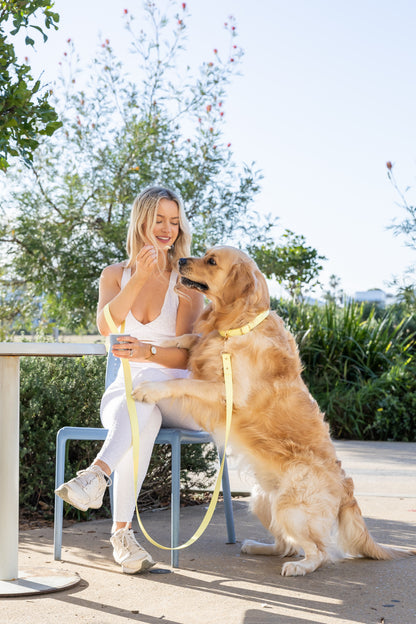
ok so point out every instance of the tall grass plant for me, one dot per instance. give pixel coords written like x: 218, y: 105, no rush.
x: 360, y: 367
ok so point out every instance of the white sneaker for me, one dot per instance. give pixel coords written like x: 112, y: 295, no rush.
x: 86, y: 490
x: 128, y: 552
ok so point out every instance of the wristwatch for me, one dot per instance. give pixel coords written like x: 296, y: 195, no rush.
x: 153, y: 350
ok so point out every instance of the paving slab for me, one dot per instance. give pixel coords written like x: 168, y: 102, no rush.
x: 216, y: 584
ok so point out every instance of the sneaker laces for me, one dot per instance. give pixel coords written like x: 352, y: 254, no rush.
x: 89, y: 474
x: 129, y: 542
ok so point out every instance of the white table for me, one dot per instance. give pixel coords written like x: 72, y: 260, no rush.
x: 13, y: 583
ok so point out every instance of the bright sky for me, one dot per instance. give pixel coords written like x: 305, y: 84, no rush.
x: 326, y: 97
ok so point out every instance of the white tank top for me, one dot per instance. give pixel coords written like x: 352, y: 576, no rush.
x: 157, y: 331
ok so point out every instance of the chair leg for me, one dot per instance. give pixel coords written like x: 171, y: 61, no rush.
x: 228, y: 506
x: 175, y: 499
x: 59, y: 503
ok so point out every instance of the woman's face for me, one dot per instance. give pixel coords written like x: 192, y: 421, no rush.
x: 166, y: 228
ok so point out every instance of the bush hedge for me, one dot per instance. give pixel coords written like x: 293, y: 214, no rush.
x: 359, y: 365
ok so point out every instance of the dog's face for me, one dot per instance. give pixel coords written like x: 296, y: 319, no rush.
x: 225, y: 275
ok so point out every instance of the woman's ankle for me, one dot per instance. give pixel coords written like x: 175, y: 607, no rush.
x: 104, y: 467
x: 120, y: 525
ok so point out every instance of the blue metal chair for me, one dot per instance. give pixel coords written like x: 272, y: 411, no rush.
x: 174, y: 437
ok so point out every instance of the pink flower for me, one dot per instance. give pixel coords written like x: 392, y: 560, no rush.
x: 389, y: 165
x: 209, y: 107
x: 184, y: 5
x: 125, y: 11
x: 215, y: 51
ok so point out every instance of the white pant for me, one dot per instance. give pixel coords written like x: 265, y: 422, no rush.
x: 117, y: 451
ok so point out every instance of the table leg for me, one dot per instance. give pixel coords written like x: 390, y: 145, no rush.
x: 9, y: 466
x: 12, y: 582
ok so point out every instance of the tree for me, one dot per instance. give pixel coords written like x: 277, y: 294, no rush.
x: 408, y: 226
x: 406, y: 285
x: 24, y: 113
x: 334, y: 294
x: 68, y: 218
x: 292, y: 263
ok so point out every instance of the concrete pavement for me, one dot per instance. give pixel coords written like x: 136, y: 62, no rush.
x: 217, y: 585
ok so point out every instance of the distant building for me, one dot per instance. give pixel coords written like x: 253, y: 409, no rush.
x: 376, y: 295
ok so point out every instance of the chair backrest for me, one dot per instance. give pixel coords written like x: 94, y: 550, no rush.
x: 113, y: 364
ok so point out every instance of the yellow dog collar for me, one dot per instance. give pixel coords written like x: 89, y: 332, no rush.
x: 240, y: 331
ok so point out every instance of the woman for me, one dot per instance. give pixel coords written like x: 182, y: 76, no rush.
x: 141, y: 292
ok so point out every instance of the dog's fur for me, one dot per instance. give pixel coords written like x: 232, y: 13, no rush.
x: 302, y: 495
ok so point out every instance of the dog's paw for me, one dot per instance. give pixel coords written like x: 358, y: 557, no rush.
x: 277, y: 549
x: 186, y: 341
x: 150, y: 392
x: 293, y: 569
x: 251, y: 547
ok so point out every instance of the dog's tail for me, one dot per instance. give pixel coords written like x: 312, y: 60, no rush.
x: 354, y: 537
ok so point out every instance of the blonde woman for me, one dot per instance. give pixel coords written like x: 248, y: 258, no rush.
x: 140, y: 291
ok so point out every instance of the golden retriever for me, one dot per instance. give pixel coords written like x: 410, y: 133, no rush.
x: 302, y: 495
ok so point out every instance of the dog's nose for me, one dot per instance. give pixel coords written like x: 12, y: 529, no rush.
x: 182, y: 261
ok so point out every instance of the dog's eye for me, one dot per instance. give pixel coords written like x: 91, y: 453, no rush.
x: 211, y: 261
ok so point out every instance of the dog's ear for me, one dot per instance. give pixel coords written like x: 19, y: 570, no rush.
x: 240, y: 283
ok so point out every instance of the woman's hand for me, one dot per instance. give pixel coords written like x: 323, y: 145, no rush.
x: 130, y: 348
x: 146, y: 262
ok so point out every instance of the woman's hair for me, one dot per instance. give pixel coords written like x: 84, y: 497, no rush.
x: 143, y: 218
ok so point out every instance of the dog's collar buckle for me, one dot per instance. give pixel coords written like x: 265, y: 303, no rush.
x: 245, y: 329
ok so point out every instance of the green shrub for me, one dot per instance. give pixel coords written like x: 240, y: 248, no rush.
x: 55, y: 392
x: 358, y: 366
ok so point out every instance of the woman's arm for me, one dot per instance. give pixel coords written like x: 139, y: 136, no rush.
x: 121, y: 300
x: 191, y: 304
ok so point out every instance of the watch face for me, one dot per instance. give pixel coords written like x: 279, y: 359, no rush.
x: 153, y: 350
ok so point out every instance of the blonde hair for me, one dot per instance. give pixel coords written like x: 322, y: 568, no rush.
x: 143, y: 218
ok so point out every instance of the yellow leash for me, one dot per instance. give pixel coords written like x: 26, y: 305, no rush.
x: 226, y: 363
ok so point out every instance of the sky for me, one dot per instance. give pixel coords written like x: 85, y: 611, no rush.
x: 325, y: 98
